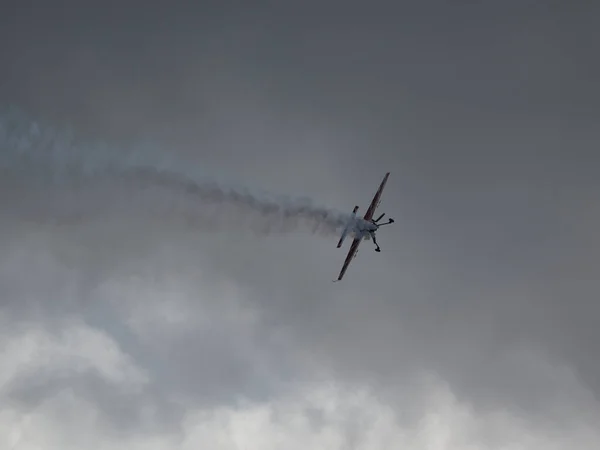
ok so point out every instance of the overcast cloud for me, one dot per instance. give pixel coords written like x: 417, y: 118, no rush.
x: 474, y: 328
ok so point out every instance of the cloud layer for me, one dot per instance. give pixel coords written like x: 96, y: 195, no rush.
x: 476, y: 326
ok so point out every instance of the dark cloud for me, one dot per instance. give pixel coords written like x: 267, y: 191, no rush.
x: 485, y: 115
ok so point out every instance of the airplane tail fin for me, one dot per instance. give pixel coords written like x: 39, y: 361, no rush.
x: 347, y: 229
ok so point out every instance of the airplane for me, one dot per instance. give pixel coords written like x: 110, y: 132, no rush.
x: 364, y: 229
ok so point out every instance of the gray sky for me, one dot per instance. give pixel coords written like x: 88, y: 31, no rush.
x: 475, y: 327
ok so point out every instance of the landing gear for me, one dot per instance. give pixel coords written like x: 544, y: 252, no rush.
x: 377, y: 225
x: 375, y: 222
x: 377, y: 249
x: 387, y: 223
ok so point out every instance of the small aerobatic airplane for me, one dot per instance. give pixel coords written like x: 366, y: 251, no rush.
x: 363, y: 229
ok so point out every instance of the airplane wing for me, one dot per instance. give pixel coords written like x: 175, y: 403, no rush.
x: 376, y: 199
x: 349, y: 257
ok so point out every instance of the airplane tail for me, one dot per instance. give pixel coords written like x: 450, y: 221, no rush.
x: 347, y: 229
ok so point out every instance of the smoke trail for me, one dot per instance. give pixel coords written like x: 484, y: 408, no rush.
x: 64, y: 181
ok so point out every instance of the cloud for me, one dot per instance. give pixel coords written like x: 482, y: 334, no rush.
x: 219, y: 367
x: 75, y: 348
x: 488, y: 280
x: 327, y: 417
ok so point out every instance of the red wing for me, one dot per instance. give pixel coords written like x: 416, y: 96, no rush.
x: 351, y: 254
x: 376, y: 199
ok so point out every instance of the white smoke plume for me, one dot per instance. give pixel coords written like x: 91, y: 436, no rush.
x: 60, y: 180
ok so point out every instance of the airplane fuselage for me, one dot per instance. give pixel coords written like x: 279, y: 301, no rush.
x: 363, y: 229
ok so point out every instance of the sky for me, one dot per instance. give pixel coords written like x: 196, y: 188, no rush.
x: 474, y: 328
